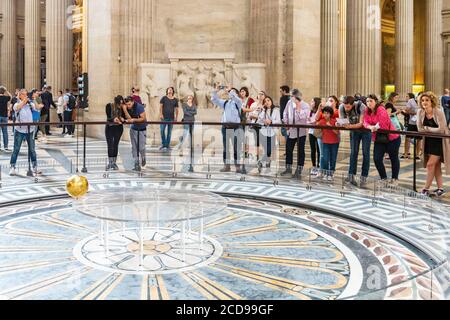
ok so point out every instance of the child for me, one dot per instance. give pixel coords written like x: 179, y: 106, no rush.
x: 330, y: 139
x: 392, y: 112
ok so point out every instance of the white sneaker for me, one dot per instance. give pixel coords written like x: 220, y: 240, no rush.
x: 12, y: 172
x: 330, y: 178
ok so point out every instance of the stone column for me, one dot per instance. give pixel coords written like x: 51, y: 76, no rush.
x: 342, y: 47
x: 404, y: 43
x: 58, y: 45
x: 434, y: 61
x: 329, y: 54
x: 136, y: 45
x: 32, y: 44
x: 364, y: 47
x: 9, y: 45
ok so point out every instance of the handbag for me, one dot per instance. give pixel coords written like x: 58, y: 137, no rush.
x: 74, y: 114
x: 382, y: 138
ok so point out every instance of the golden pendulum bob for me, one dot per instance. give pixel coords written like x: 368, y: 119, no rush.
x: 77, y: 186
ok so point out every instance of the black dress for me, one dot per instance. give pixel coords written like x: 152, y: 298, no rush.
x: 433, y: 146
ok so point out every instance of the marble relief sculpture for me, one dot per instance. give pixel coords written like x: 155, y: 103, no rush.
x: 153, y: 92
x: 202, y: 87
x: 246, y: 81
x: 184, y: 84
x: 198, y: 79
x: 218, y: 76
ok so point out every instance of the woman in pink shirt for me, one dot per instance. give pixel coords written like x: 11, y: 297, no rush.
x: 376, y: 118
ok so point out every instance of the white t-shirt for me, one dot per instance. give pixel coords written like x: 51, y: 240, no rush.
x: 273, y: 116
x: 60, y: 105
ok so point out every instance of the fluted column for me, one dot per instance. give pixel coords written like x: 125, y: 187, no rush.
x: 363, y: 47
x: 434, y: 61
x: 329, y: 55
x: 9, y: 45
x: 136, y: 44
x: 342, y: 47
x: 404, y: 43
x: 58, y: 45
x: 32, y: 44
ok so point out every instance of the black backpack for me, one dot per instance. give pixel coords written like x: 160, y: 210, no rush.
x: 72, y: 102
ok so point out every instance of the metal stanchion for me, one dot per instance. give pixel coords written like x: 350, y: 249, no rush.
x: 191, y: 131
x: 84, y: 169
x: 298, y: 173
x: 415, y: 167
x: 30, y: 172
x: 258, y: 143
x: 244, y: 145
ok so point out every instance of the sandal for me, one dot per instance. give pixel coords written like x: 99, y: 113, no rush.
x: 406, y: 156
x: 439, y: 192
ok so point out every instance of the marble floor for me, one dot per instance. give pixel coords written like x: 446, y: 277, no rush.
x: 278, y: 238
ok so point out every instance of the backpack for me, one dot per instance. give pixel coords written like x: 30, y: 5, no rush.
x: 72, y: 102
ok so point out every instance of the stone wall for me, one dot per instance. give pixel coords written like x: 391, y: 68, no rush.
x: 200, y: 26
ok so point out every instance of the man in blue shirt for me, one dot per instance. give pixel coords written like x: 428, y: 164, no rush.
x: 231, y: 129
x: 445, y: 102
x: 23, y: 110
x: 135, y: 115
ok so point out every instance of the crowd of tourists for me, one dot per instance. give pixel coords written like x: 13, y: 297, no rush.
x: 247, y: 118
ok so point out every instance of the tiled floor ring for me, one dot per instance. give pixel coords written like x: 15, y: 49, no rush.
x: 270, y: 251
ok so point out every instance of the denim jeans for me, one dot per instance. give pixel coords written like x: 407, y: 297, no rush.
x: 186, y: 133
x: 329, y: 157
x: 392, y: 148
x: 19, y: 138
x: 166, y: 138
x: 447, y: 115
x: 236, y: 137
x: 356, y: 138
x: 4, y: 131
x: 268, y: 144
x: 320, y: 143
x: 138, y: 143
x: 68, y: 118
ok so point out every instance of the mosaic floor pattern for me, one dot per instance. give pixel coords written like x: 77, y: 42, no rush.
x: 267, y: 251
